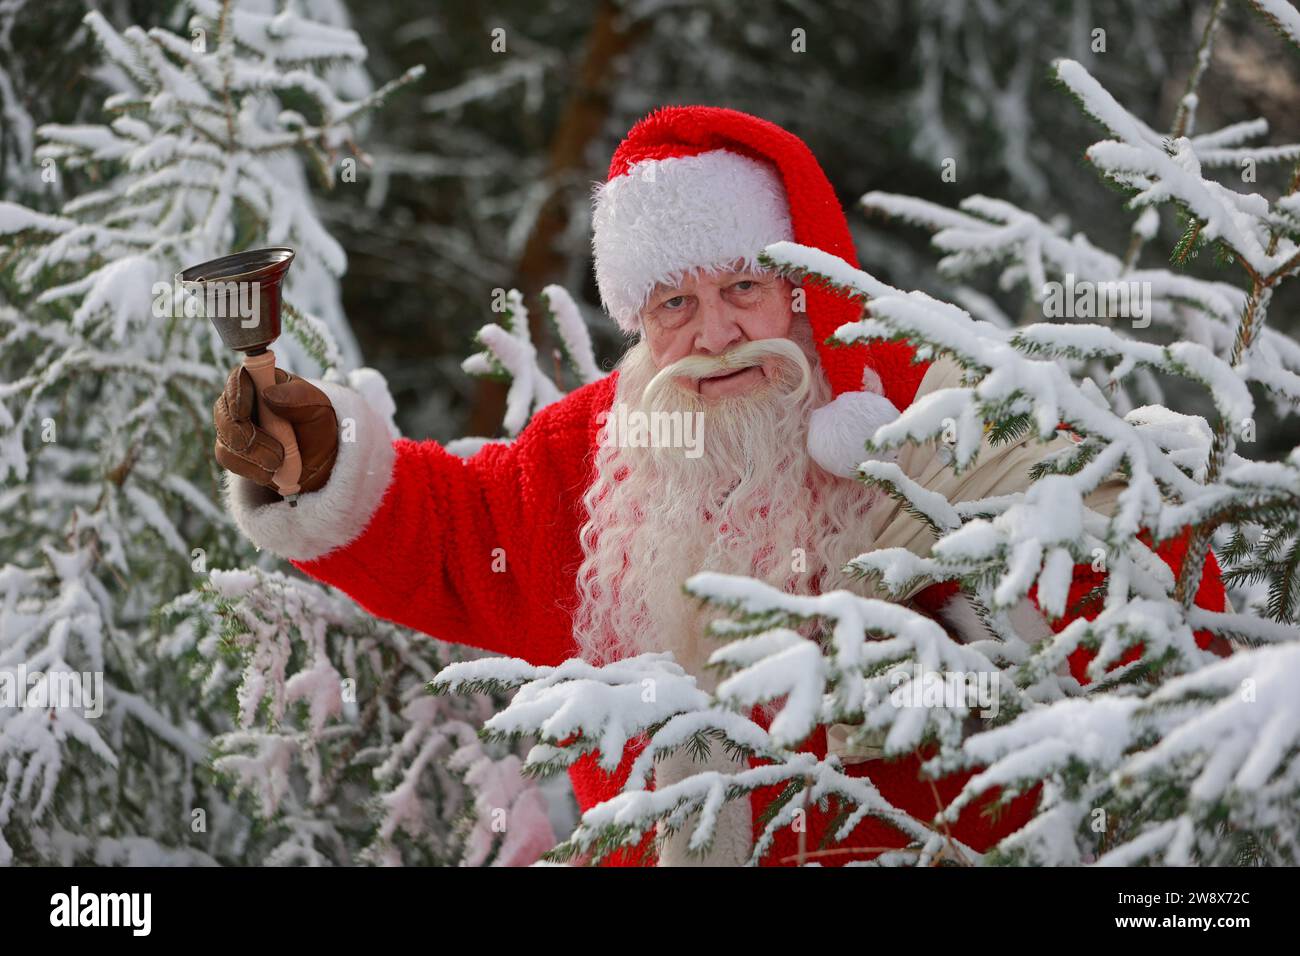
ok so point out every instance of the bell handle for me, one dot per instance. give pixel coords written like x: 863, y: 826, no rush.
x: 262, y: 370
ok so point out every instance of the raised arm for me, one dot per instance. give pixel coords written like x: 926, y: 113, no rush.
x: 467, y: 550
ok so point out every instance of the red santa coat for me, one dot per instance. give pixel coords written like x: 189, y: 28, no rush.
x: 416, y: 534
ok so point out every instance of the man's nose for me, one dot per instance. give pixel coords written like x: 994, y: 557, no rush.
x: 718, y: 328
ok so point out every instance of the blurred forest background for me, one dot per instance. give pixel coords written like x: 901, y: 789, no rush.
x: 483, y: 169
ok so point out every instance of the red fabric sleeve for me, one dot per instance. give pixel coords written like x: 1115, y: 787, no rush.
x: 472, y: 550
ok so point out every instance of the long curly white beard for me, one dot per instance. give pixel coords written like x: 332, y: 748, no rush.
x: 752, y: 503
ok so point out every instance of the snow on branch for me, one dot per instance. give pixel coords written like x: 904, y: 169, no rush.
x: 876, y: 654
x: 1282, y: 15
x: 1171, y: 172
x: 1228, y: 733
x: 1010, y: 381
x: 984, y: 232
x: 510, y: 354
x: 871, y: 649
x: 105, y: 384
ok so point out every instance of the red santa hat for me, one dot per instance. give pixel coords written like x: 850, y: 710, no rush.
x: 699, y: 187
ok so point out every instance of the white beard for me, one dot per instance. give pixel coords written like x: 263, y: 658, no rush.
x: 752, y: 503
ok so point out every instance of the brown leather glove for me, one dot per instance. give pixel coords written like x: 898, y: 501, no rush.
x: 247, y: 450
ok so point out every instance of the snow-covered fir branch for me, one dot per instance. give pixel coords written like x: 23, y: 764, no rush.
x: 509, y: 353
x: 577, y: 709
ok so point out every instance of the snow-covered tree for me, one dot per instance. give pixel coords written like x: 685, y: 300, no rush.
x: 335, y: 744
x: 1158, y: 750
x: 38, y: 38
x: 108, y: 492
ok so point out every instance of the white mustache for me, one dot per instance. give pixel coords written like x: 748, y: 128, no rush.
x: 788, y: 354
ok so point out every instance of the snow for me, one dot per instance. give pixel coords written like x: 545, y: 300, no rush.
x: 1054, y: 582
x: 572, y: 329
x: 1246, y: 736
x: 1046, y: 739
x: 796, y: 671
x: 679, y: 731
x: 1245, y: 625
x: 1165, y: 457
x: 898, y: 635
x: 1186, y: 438
x: 509, y: 349
x: 15, y: 218
x: 286, y: 38
x: 1281, y: 14
x: 1139, y: 159
x: 156, y: 517
x: 933, y: 505
x: 606, y: 707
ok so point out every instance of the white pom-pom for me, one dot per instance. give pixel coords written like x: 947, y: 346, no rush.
x: 839, y: 429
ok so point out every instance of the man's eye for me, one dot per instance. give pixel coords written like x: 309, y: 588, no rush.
x: 672, y: 313
x: 744, y: 285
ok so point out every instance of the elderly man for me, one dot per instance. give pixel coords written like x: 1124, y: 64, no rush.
x: 565, y: 543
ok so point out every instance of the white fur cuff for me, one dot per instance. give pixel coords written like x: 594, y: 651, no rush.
x: 335, y: 514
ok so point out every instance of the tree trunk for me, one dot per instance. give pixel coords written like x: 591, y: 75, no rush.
x: 584, y: 114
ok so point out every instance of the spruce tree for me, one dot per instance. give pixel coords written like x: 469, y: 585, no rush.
x: 167, y: 709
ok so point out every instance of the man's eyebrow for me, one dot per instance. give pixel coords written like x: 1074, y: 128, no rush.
x: 664, y: 290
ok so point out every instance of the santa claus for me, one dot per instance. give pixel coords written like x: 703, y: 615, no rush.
x: 572, y: 540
